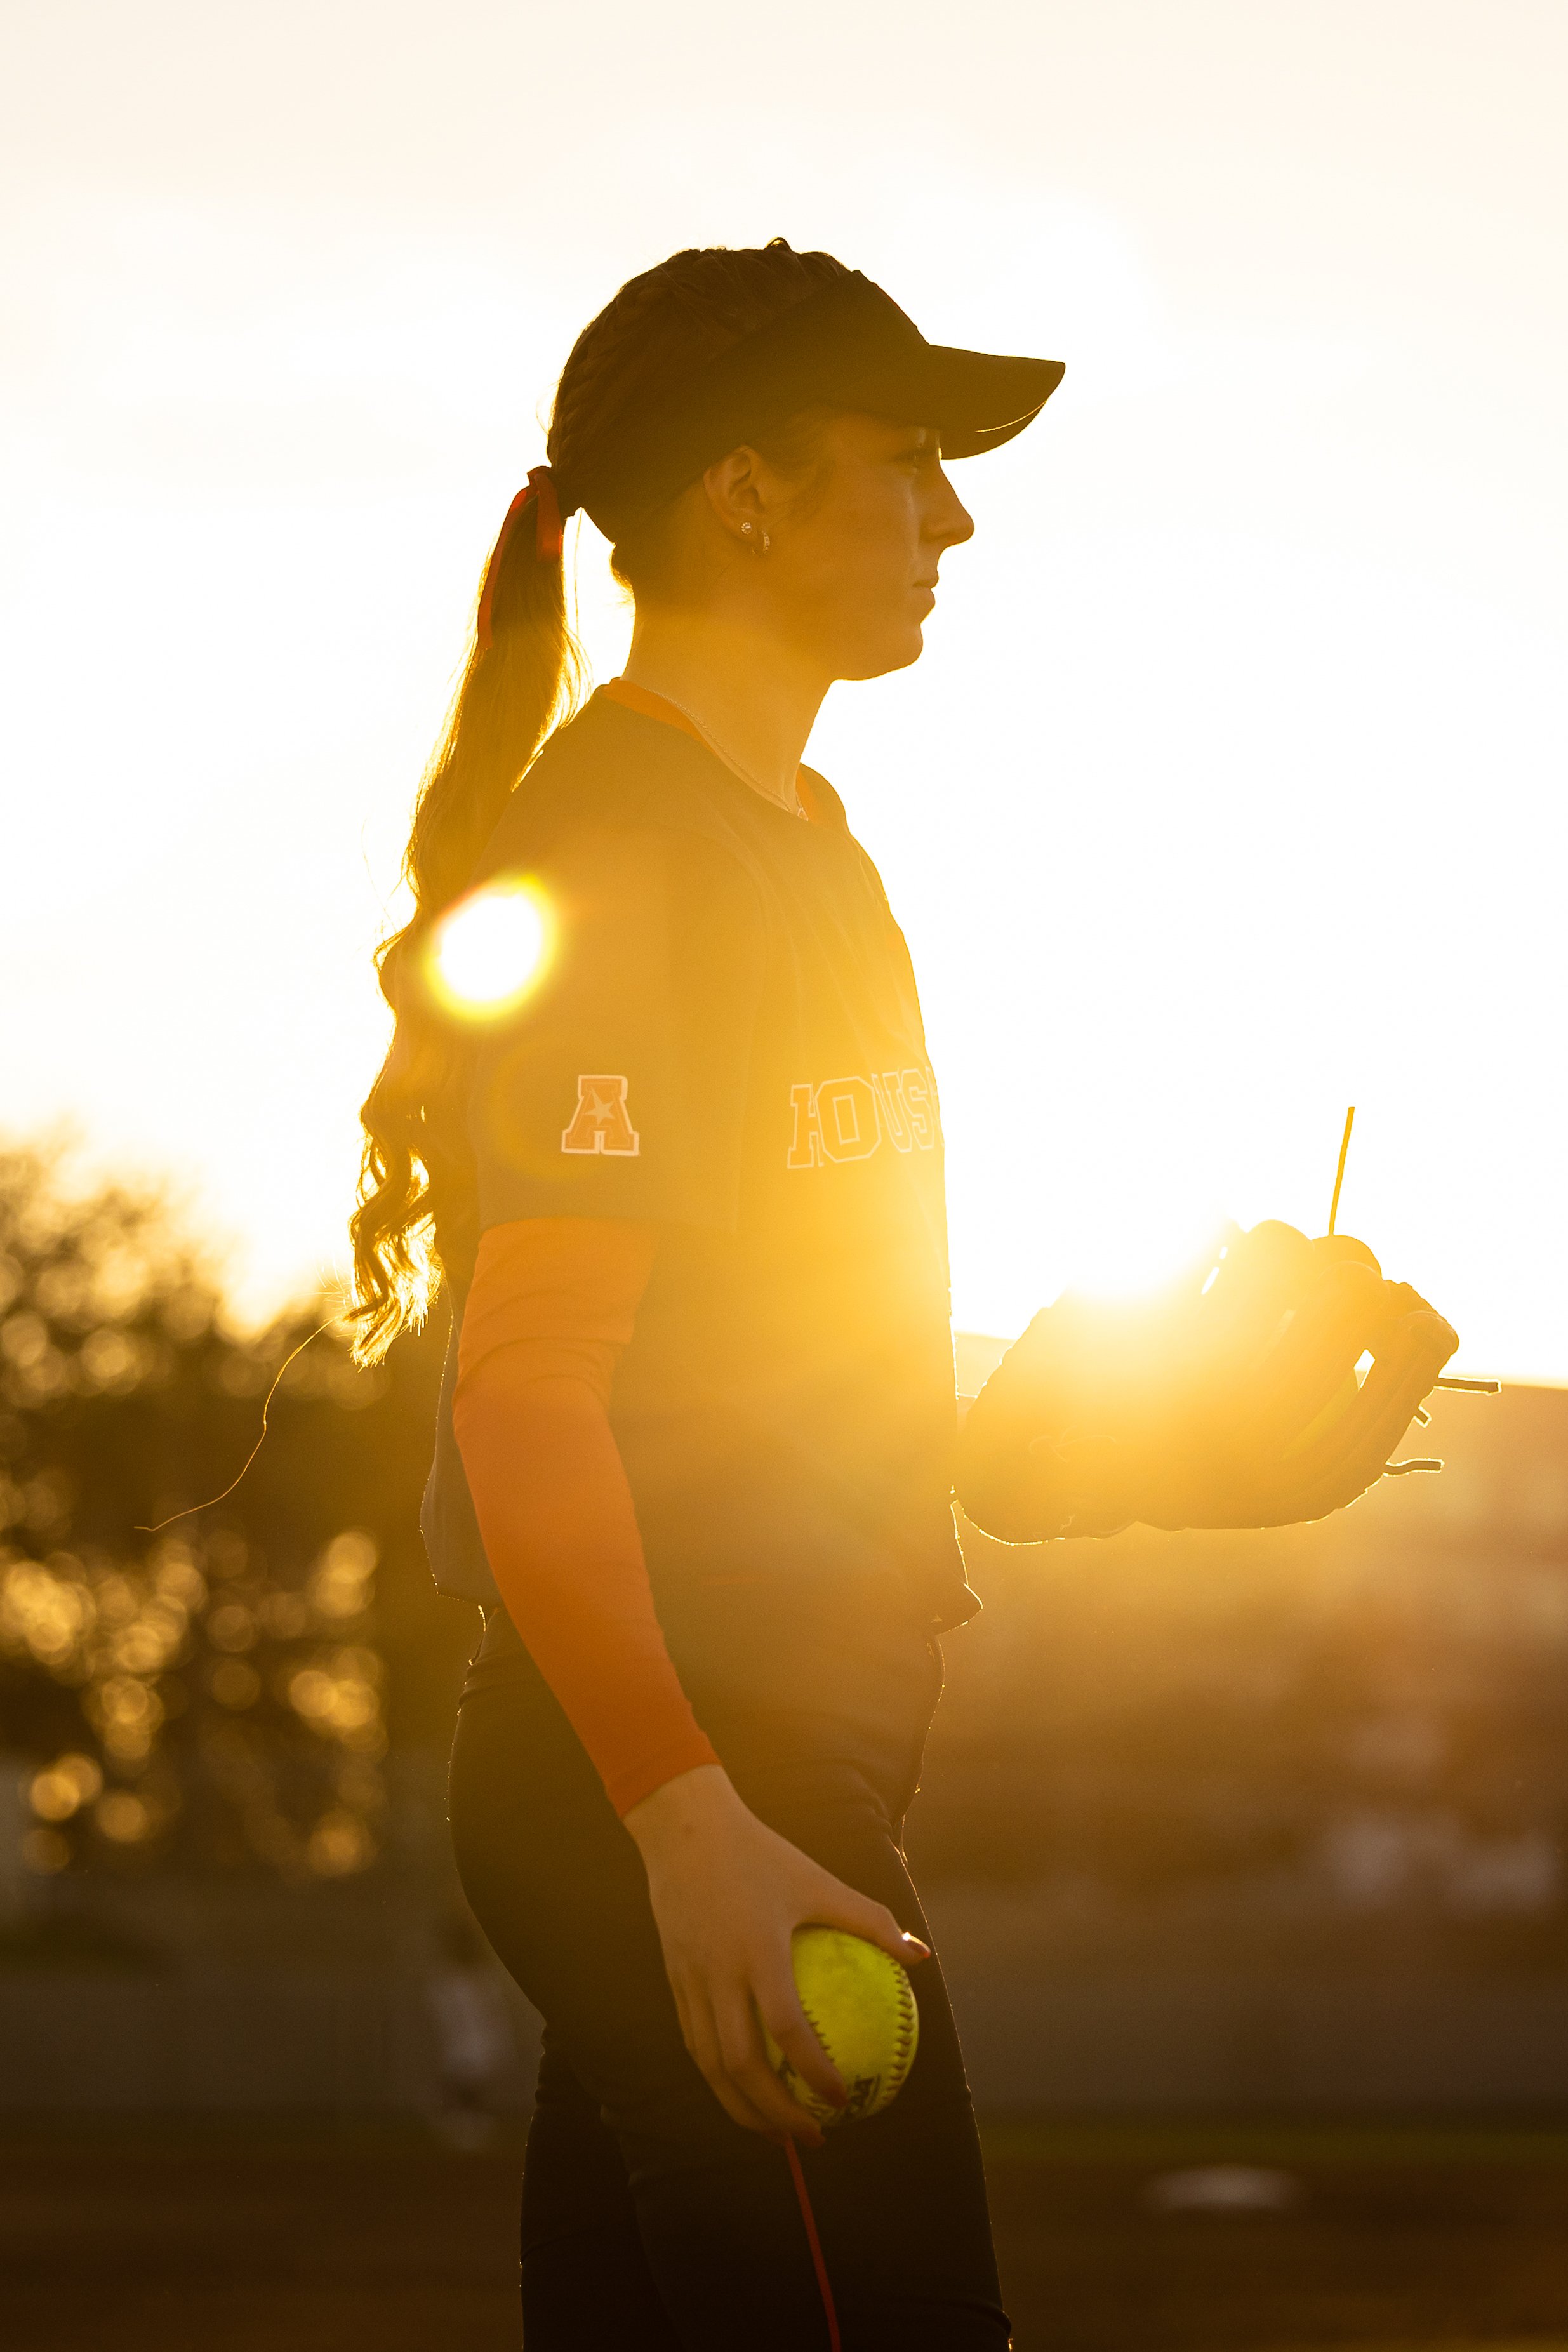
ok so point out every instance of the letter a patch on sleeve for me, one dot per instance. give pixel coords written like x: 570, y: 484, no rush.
x: 601, y: 1121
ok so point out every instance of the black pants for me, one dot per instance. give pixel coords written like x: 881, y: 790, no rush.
x: 650, y: 2221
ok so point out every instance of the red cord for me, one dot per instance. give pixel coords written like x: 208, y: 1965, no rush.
x: 814, y: 2242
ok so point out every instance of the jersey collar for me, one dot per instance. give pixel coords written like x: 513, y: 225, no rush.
x: 817, y: 797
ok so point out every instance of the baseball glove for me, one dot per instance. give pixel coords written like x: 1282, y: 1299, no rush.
x: 1232, y: 1399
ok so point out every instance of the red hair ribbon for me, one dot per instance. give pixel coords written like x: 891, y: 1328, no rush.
x: 547, y: 538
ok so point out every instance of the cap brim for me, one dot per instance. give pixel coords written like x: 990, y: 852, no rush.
x: 976, y: 400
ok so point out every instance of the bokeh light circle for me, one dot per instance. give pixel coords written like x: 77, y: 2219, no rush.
x: 488, y: 951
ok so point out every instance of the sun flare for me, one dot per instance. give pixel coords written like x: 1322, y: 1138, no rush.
x: 1109, y: 1258
x: 489, y: 950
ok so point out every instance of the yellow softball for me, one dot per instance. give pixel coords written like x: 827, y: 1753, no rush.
x: 861, y: 2007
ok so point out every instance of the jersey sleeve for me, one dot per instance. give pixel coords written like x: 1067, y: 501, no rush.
x: 619, y: 1088
x: 551, y: 1308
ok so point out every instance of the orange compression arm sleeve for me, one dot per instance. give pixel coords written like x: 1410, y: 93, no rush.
x: 552, y: 1302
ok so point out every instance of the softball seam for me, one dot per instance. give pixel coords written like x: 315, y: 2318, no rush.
x: 902, y: 2062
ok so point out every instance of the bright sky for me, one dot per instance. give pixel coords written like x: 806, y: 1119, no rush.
x: 1231, y: 788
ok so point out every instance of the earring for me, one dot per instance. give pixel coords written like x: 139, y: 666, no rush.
x: 767, y: 542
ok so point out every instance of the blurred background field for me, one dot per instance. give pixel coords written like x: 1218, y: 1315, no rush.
x: 1215, y: 1829
x: 1362, y: 2240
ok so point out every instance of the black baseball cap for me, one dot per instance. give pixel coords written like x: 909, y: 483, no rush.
x: 847, y: 345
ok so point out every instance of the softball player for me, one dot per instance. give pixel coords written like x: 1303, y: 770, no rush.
x: 695, y: 1450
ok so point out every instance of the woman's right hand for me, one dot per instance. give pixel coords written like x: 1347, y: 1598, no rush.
x: 728, y: 1893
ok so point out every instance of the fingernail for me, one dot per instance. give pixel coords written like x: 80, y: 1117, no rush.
x: 921, y: 1951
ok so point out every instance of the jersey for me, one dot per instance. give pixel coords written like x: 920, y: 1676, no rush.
x: 726, y: 1041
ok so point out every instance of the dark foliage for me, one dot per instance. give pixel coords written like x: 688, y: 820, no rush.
x: 221, y: 1691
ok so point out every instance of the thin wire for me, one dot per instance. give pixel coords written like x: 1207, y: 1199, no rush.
x: 266, y: 1408
x: 1340, y: 1171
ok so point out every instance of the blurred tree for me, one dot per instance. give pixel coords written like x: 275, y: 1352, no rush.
x: 219, y: 1692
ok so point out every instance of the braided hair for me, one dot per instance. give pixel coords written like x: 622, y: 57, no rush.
x: 523, y: 679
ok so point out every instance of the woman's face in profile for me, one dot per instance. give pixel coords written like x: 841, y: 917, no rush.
x: 852, y: 574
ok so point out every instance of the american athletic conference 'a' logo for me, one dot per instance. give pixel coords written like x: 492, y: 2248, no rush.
x: 846, y: 1119
x: 601, y: 1121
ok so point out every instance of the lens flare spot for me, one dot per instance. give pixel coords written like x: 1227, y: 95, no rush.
x: 340, y: 1844
x: 488, y: 951
x: 122, y: 1817
x: 54, y: 1797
